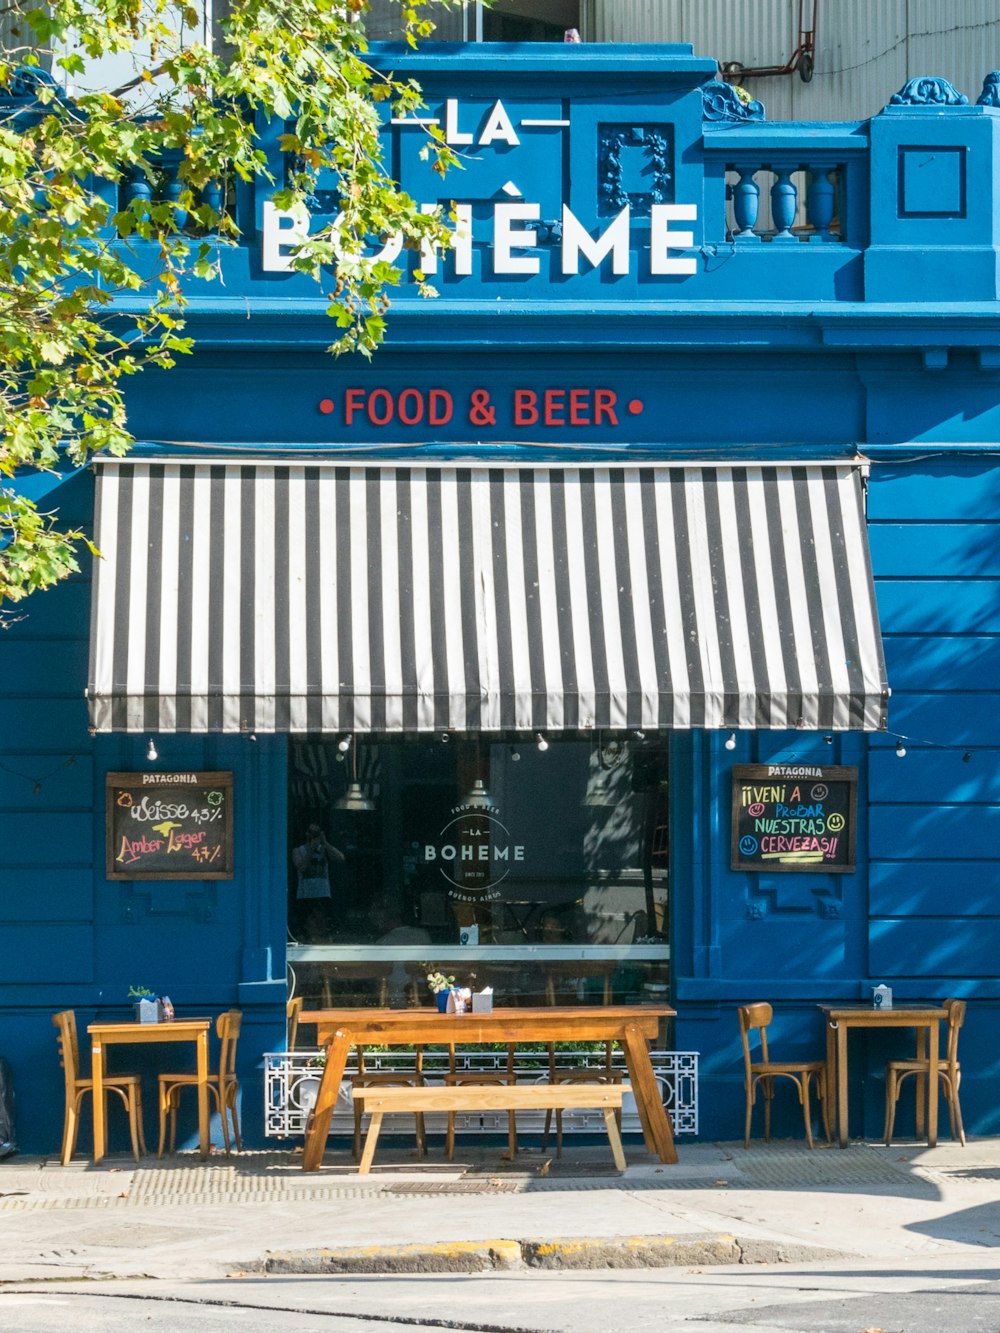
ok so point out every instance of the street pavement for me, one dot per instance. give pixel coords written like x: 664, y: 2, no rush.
x: 183, y: 1220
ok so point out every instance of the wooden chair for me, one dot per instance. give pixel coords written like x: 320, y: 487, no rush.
x: 949, y: 1074
x: 763, y: 1073
x: 292, y: 1011
x: 571, y: 1074
x: 389, y: 1079
x: 125, y: 1086
x: 224, y: 1088
x: 481, y: 1079
x: 375, y: 974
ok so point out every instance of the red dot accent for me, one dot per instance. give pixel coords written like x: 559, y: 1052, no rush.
x: 326, y: 406
x: 636, y: 406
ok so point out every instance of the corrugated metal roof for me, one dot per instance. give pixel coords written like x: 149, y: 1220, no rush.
x: 864, y: 52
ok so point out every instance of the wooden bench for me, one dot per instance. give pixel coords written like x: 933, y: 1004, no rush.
x: 606, y: 1097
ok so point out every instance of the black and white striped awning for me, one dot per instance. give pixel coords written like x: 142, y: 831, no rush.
x: 257, y: 597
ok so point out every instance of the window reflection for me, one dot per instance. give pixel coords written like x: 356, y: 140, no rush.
x: 491, y: 842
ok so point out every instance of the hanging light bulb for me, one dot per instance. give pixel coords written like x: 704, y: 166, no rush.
x: 828, y: 740
x: 900, y: 748
x: 478, y: 797
x: 151, y: 752
x: 731, y: 741
x: 967, y: 756
x: 344, y: 744
x: 354, y: 798
x: 515, y: 754
x: 542, y: 742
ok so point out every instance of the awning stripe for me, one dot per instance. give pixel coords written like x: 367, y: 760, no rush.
x: 246, y: 597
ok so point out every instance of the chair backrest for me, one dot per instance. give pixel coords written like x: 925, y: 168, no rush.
x: 956, y: 1017
x: 292, y: 1010
x: 754, y: 1017
x: 228, y: 1027
x: 69, y: 1050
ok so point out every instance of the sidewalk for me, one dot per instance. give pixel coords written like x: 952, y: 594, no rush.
x: 185, y: 1219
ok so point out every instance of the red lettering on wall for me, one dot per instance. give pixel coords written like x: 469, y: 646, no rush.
x: 376, y: 417
x: 555, y: 406
x: 604, y: 406
x: 525, y: 407
x: 354, y: 401
x: 441, y: 407
x: 411, y: 415
x: 579, y: 407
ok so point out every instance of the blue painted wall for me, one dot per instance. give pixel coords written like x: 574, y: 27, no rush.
x: 881, y: 342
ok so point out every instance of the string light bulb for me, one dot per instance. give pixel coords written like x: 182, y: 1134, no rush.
x: 542, y: 742
x: 900, y: 748
x: 151, y: 752
x: 731, y: 741
x: 344, y: 744
x: 967, y: 756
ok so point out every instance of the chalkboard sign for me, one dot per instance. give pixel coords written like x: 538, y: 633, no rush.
x: 170, y: 825
x: 794, y: 817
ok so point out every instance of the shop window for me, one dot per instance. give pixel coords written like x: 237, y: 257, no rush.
x: 540, y: 871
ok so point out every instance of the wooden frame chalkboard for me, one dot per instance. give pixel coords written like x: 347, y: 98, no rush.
x: 794, y: 818
x: 169, y: 825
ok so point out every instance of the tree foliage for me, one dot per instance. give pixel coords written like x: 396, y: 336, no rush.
x: 93, y: 275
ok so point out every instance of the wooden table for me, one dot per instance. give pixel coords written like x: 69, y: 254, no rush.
x: 117, y: 1034
x: 840, y: 1019
x: 634, y: 1026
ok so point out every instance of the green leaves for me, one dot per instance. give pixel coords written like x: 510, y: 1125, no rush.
x: 95, y: 188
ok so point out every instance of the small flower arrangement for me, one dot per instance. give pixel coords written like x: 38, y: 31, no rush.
x: 437, y: 982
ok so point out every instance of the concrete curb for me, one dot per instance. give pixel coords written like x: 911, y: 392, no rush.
x: 505, y: 1255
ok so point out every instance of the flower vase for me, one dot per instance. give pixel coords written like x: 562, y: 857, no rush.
x: 441, y: 997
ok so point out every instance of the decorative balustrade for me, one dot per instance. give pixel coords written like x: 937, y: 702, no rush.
x: 167, y: 187
x: 801, y: 203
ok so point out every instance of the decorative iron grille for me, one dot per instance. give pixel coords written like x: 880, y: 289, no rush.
x: 292, y: 1078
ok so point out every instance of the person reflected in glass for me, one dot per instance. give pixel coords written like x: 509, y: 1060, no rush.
x: 312, y: 859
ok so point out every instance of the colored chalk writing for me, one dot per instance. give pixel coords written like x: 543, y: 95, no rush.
x: 170, y: 826
x: 793, y: 818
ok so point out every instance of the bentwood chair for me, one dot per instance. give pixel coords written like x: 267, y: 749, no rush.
x: 764, y: 1072
x: 293, y: 1010
x: 949, y: 1074
x: 602, y: 972
x: 223, y: 1088
x: 125, y: 1086
x: 457, y: 1078
x: 389, y: 1079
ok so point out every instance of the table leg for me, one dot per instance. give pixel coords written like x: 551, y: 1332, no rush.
x: 99, y: 1107
x: 842, y: 1084
x: 656, y: 1127
x: 204, y: 1143
x: 319, y: 1122
x: 932, y: 1086
x: 921, y: 1082
x: 831, y: 1078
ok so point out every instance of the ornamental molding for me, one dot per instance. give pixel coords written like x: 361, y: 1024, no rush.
x: 721, y: 101
x: 26, y: 82
x: 928, y: 91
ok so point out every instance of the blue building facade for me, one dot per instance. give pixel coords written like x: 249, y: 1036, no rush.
x: 613, y: 306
